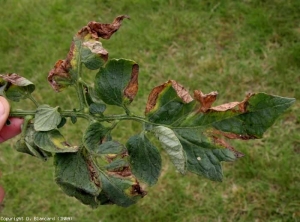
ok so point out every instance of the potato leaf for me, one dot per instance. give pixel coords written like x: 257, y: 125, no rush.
x: 97, y: 108
x: 78, y: 176
x: 145, y: 159
x: 120, y: 191
x: 47, y: 118
x: 93, y: 55
x: 203, y: 156
x: 172, y: 146
x: 170, y: 104
x: 117, y: 82
x: 94, y: 136
x: 85, y: 48
x: 16, y: 87
x: 26, y: 145
x: 54, y: 142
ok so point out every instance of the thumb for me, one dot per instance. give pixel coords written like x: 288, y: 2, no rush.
x: 4, y: 111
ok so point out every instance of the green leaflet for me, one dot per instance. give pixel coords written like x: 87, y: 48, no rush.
x: 117, y: 83
x: 52, y: 141
x: 27, y: 145
x: 203, y: 157
x: 145, y: 159
x: 62, y: 122
x: 47, y: 118
x: 78, y: 176
x: 172, y: 146
x: 15, y: 87
x: 110, y: 147
x: 97, y: 108
x: 117, y: 164
x: 94, y: 136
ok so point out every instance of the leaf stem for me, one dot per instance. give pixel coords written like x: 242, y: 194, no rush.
x: 69, y: 113
x: 25, y: 124
x: 33, y: 100
x: 128, y: 112
x: 79, y: 86
x: 80, y: 96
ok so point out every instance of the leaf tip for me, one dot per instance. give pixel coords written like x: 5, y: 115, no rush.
x: 98, y: 30
x: 206, y: 100
x: 132, y: 88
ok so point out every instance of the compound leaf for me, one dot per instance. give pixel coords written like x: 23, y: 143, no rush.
x: 172, y: 146
x: 117, y: 82
x: 145, y: 159
x: 170, y: 104
x: 47, y: 118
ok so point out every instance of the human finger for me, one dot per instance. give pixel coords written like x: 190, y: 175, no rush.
x: 4, y: 111
x: 11, y: 129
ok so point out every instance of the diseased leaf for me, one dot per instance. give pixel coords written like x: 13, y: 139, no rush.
x: 171, y: 105
x: 47, y: 118
x: 172, y: 146
x: 85, y: 48
x: 261, y: 111
x: 52, y: 141
x: 59, y: 77
x: 121, y: 191
x: 97, y: 30
x: 78, y: 176
x: 118, y: 183
x: 117, y: 82
x: 93, y: 55
x: 203, y: 156
x: 16, y: 87
x: 206, y: 100
x: 145, y: 159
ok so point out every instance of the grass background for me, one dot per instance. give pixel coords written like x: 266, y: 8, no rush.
x: 233, y: 47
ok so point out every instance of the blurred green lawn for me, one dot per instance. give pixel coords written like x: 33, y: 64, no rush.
x: 233, y: 47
